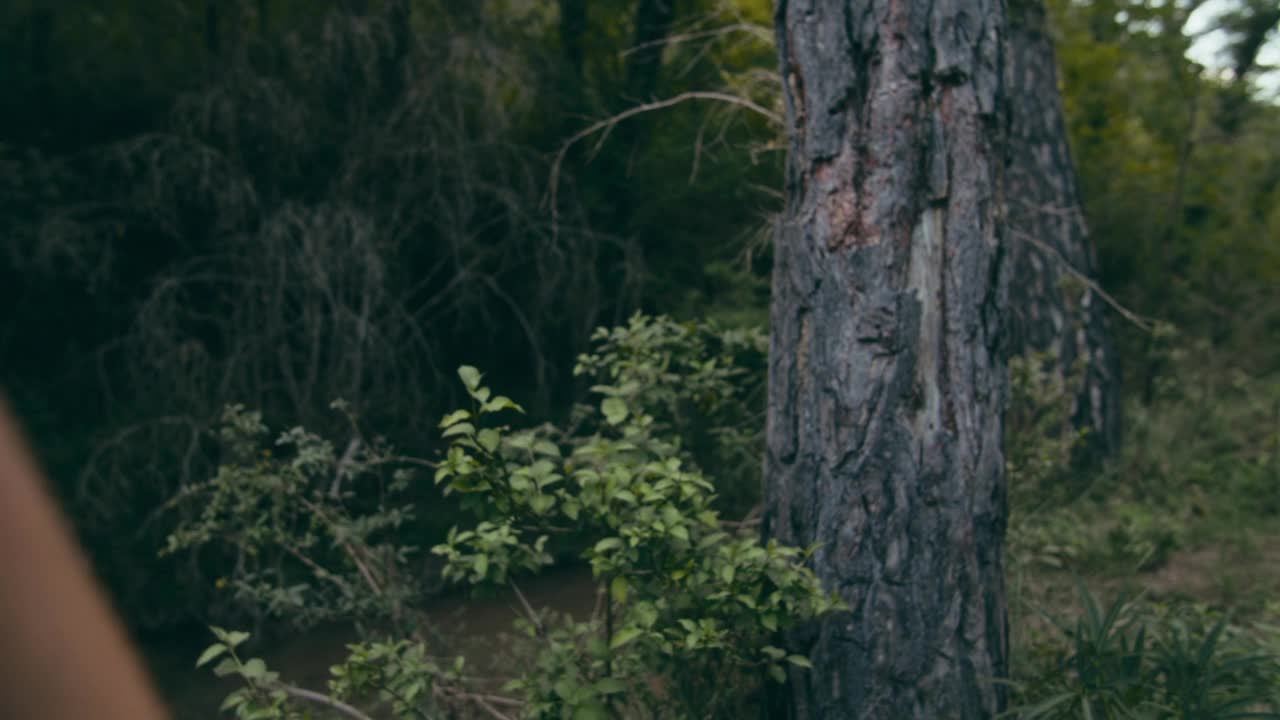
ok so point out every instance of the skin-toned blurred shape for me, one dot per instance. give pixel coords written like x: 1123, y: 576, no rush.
x: 63, y: 653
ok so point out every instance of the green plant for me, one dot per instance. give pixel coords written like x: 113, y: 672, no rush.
x: 689, y: 607
x: 313, y: 535
x: 263, y: 696
x: 686, y: 602
x: 1134, y: 661
x: 702, y: 384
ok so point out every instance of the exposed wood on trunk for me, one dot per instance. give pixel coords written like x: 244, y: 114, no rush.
x: 887, y: 372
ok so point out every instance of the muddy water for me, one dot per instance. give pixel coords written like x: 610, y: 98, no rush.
x: 476, y: 627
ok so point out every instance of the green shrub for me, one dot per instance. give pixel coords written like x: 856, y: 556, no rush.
x: 1135, y: 661
x: 690, y: 608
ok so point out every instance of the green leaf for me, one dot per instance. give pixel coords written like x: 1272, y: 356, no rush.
x: 254, y: 669
x: 465, y: 428
x: 501, y: 402
x: 565, y: 688
x: 210, y: 653
x: 234, y: 700
x: 481, y: 565
x: 609, y: 686
x: 618, y: 588
x: 470, y: 377
x: 624, y: 636
x: 235, y: 638
x: 611, y: 543
x: 777, y: 673
x: 540, y: 504
x: 455, y: 417
x: 590, y: 711
x: 800, y: 661
x: 615, y: 410
x: 489, y: 439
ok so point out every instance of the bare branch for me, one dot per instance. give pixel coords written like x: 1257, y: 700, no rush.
x: 757, y: 31
x: 348, y: 457
x: 321, y: 699
x: 528, y: 609
x: 1144, y: 323
x: 608, y: 124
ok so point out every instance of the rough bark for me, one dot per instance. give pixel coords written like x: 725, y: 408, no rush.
x: 887, y: 379
x: 1052, y: 307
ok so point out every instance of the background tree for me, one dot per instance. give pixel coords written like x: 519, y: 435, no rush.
x: 1054, y: 300
x: 1248, y: 27
x: 887, y: 372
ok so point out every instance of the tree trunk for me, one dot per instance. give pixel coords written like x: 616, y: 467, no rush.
x: 653, y: 22
x: 1052, y: 307
x: 573, y: 26
x: 264, y: 19
x: 1249, y: 24
x: 212, y: 30
x: 887, y: 378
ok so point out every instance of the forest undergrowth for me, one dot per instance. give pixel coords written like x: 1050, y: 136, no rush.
x: 1142, y: 586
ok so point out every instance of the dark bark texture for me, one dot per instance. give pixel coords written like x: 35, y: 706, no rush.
x: 887, y: 378
x: 1052, y: 308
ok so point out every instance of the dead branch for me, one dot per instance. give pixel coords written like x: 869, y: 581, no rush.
x: 608, y: 124
x: 1144, y: 323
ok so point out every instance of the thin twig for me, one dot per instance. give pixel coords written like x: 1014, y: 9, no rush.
x: 1143, y: 323
x: 317, y: 569
x: 495, y: 712
x: 348, y: 457
x: 486, y: 702
x: 753, y: 518
x: 528, y: 609
x: 758, y: 31
x: 363, y: 569
x: 608, y: 124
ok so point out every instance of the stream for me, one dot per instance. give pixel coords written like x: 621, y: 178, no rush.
x: 475, y: 626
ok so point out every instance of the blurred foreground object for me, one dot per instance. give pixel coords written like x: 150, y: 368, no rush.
x: 64, y: 654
